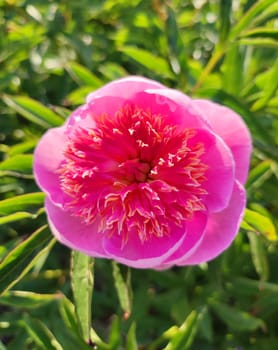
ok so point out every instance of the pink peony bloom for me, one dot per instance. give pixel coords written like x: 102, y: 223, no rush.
x: 145, y: 175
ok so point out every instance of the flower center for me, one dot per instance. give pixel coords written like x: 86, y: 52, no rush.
x: 134, y: 173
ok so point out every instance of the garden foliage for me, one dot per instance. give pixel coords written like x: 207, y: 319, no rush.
x: 52, y: 54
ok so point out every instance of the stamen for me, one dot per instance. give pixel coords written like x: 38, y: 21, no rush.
x: 133, y: 173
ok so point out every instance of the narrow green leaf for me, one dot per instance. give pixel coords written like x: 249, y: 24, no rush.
x: 225, y: 10
x: 270, y: 87
x: 258, y: 222
x: 96, y: 340
x: 33, y: 110
x: 20, y: 215
x: 232, y: 77
x: 183, y: 336
x: 25, y: 299
x: 83, y: 75
x: 115, y: 334
x: 122, y: 288
x: 21, y: 162
x: 147, y: 59
x: 23, y: 257
x: 23, y: 147
x: 271, y: 12
x: 41, y: 334
x: 242, y: 286
x: 82, y: 283
x: 259, y: 256
x: 176, y: 47
x: 235, y: 319
x: 2, y: 346
x: 259, y: 174
x: 78, y: 96
x: 112, y: 71
x: 261, y: 32
x: 30, y: 202
x: 67, y: 312
x: 258, y: 7
x: 131, y: 342
x: 259, y: 42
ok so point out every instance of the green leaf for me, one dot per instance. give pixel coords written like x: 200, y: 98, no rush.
x: 123, y: 289
x: 41, y: 334
x: 23, y: 257
x: 21, y: 163
x: 78, y: 96
x: 232, y: 77
x: 235, y: 319
x: 99, y: 343
x: 20, y: 215
x: 114, y: 336
x: 83, y: 75
x: 259, y: 256
x: 259, y: 174
x: 176, y: 46
x: 261, y: 32
x: 82, y: 283
x: 33, y: 110
x: 260, y: 42
x: 131, y: 343
x: 225, y: 10
x: 250, y: 16
x: 148, y: 60
x: 257, y: 222
x: 183, y: 336
x: 23, y: 147
x: 23, y: 202
x: 270, y: 87
x: 67, y: 311
x: 2, y: 346
x: 26, y: 299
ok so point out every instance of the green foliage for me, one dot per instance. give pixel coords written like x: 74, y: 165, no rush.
x: 53, y: 53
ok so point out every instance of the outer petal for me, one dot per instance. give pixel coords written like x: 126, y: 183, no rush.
x: 48, y: 156
x: 221, y: 229
x: 220, y: 173
x: 195, y: 233
x: 125, y: 87
x: 103, y: 105
x: 230, y: 126
x: 70, y: 231
x: 151, y: 254
x: 177, y: 107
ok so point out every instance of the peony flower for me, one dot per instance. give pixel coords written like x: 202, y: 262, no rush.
x: 145, y: 175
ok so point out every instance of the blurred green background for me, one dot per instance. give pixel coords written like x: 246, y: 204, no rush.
x: 52, y: 54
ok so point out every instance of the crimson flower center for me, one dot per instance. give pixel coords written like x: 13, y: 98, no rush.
x: 133, y: 173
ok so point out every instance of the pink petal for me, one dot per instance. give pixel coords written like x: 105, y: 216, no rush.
x: 125, y: 87
x: 70, y: 231
x: 195, y: 233
x: 220, y: 173
x: 221, y: 229
x: 149, y: 254
x: 232, y: 129
x: 177, y: 107
x: 48, y: 156
x: 84, y: 115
